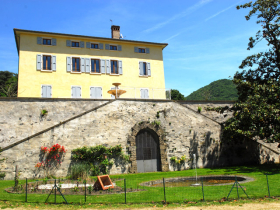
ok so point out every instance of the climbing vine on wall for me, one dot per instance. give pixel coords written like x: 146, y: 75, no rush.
x: 98, y: 157
x: 50, y: 158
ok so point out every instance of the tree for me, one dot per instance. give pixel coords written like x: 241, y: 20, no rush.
x: 8, y: 84
x: 257, y: 111
x: 176, y: 95
x: 2, y: 174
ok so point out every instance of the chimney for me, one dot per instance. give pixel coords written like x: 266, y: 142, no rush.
x: 115, y: 32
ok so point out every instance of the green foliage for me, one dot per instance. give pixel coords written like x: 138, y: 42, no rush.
x: 156, y: 123
x: 176, y: 95
x: 79, y: 171
x: 199, y: 109
x: 257, y: 111
x: 181, y: 160
x: 2, y: 174
x: 97, y: 158
x: 44, y: 112
x: 223, y: 89
x: 8, y: 84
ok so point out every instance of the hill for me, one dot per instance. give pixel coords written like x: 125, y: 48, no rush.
x: 223, y: 89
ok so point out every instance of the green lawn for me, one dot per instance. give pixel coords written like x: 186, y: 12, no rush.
x: 257, y: 188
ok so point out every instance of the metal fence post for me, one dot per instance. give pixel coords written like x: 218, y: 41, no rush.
x: 236, y: 187
x: 26, y: 191
x: 124, y: 191
x: 202, y: 188
x: 85, y: 191
x: 164, y: 190
x: 267, y: 186
x: 55, y: 191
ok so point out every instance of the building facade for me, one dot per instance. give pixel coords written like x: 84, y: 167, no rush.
x: 54, y: 65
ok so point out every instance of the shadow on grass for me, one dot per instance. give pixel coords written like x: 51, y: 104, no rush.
x: 269, y: 169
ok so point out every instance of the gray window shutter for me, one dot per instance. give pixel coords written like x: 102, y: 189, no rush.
x: 82, y: 44
x: 142, y: 93
x: 149, y: 69
x: 44, y: 91
x: 108, y: 66
x: 100, y: 46
x: 107, y: 46
x: 91, y: 92
x: 68, y: 63
x: 39, y: 40
x: 136, y: 49
x: 119, y: 48
x: 82, y: 64
x: 88, y: 45
x: 68, y: 43
x: 54, y: 62
x: 73, y: 92
x: 147, y: 93
x: 79, y: 92
x: 49, y: 91
x: 141, y: 70
x: 39, y: 62
x: 53, y: 41
x: 120, y: 67
x: 102, y: 66
x: 148, y: 50
x: 112, y: 96
x: 99, y: 92
x: 87, y: 65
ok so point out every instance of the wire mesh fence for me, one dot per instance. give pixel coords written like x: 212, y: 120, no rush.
x: 145, y: 189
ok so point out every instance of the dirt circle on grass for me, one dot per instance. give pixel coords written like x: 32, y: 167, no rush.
x: 216, y: 180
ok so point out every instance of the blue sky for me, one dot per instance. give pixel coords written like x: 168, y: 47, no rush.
x: 207, y: 38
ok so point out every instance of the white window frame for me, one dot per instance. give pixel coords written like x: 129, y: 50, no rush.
x: 148, y: 92
x: 113, y: 45
x: 96, y: 87
x: 42, y: 64
x: 147, y: 75
x: 112, y: 74
x: 46, y: 38
x: 94, y: 48
x: 75, y: 86
x: 76, y: 41
x: 99, y: 65
x: 41, y: 90
x: 74, y: 72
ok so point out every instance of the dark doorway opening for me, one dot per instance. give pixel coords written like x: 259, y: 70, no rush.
x: 147, y: 151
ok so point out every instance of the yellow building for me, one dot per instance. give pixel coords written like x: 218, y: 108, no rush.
x: 73, y: 66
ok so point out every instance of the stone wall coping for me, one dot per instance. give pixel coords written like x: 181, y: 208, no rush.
x: 205, y: 102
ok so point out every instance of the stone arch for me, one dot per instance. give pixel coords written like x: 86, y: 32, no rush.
x: 162, y: 144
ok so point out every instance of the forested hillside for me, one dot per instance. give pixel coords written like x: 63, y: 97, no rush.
x: 223, y: 89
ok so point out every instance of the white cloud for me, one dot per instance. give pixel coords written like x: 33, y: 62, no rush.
x: 178, y: 16
x: 222, y: 11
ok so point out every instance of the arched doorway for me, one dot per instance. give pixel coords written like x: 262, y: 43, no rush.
x: 147, y: 151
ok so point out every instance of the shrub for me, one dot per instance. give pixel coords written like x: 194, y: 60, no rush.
x: 80, y: 171
x: 199, y: 109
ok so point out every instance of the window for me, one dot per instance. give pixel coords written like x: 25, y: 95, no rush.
x: 76, y: 91
x: 75, y: 44
x: 144, y: 69
x: 144, y: 93
x: 141, y: 50
x: 113, y: 47
x: 46, y: 91
x: 46, y: 62
x: 95, y: 66
x: 114, y: 67
x: 75, y: 64
x: 47, y: 41
x: 47, y: 65
x: 94, y: 46
x: 96, y: 92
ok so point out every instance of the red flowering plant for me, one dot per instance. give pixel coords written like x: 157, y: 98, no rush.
x: 51, y: 157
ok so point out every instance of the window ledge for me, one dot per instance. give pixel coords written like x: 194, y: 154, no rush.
x: 144, y: 76
x: 114, y: 74
x: 50, y: 71
x: 73, y: 72
x: 95, y: 73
